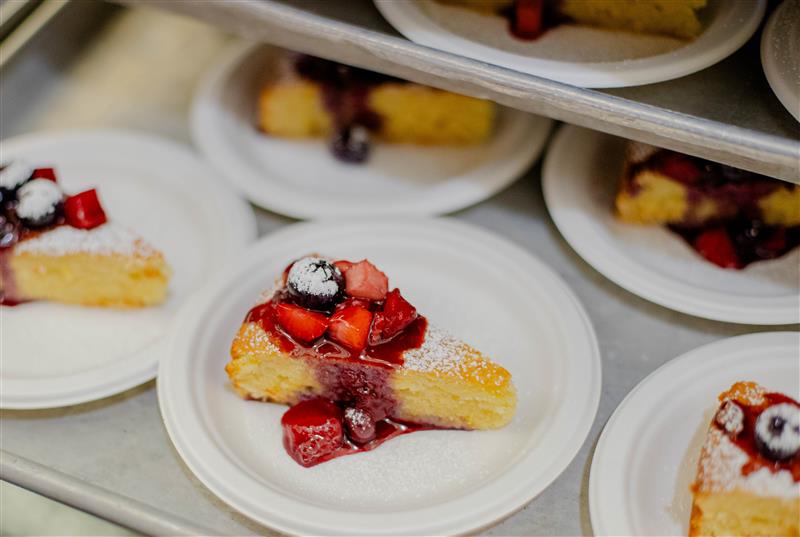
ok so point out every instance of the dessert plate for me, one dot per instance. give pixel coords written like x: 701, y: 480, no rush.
x: 577, y: 55
x: 580, y: 176
x: 780, y: 54
x: 57, y: 355
x: 473, y: 284
x: 646, y: 458
x: 300, y: 178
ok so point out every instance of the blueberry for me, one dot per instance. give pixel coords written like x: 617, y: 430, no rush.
x: 40, y: 203
x: 777, y: 432
x: 360, y: 425
x: 315, y: 283
x: 730, y: 417
x: 351, y: 144
x: 9, y: 232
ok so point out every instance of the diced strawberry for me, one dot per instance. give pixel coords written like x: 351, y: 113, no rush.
x: 84, y: 210
x: 44, y: 173
x: 350, y: 327
x: 396, y: 315
x: 351, y: 301
x: 302, y: 324
x: 343, y: 265
x: 680, y: 167
x: 364, y: 280
x: 312, y: 431
x: 715, y: 245
x: 528, y: 18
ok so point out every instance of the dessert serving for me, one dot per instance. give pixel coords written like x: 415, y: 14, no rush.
x: 62, y: 248
x: 729, y: 216
x: 310, y: 97
x: 528, y: 19
x: 748, y: 474
x: 359, y: 364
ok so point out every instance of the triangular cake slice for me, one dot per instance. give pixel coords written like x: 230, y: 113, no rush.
x: 333, y: 333
x: 61, y: 248
x: 748, y: 474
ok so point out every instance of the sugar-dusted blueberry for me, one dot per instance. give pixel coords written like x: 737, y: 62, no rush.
x: 777, y: 431
x: 40, y: 203
x: 12, y: 176
x: 360, y: 425
x: 351, y: 144
x: 9, y: 232
x: 315, y: 283
x: 730, y: 417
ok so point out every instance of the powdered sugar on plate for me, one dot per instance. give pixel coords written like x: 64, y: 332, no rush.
x: 104, y: 240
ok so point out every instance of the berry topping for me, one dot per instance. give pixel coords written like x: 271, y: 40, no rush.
x: 350, y: 301
x: 360, y: 425
x: 777, y: 431
x: 715, y: 245
x: 13, y: 175
x: 343, y: 265
x: 350, y: 327
x: 84, y: 210
x: 396, y: 315
x: 364, y: 280
x: 730, y: 417
x: 351, y: 144
x: 39, y: 203
x: 303, y: 325
x: 315, y: 283
x: 528, y: 18
x: 680, y: 167
x: 9, y: 232
x: 45, y: 173
x: 312, y: 431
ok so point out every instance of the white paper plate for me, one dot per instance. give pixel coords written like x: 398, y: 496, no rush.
x: 780, y: 54
x: 473, y: 284
x: 577, y: 55
x: 580, y: 177
x: 56, y: 355
x: 300, y: 178
x: 646, y: 457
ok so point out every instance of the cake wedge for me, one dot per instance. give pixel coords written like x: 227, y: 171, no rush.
x: 332, y: 335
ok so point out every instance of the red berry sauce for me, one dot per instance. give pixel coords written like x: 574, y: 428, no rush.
x: 746, y: 439
x: 739, y: 236
x: 355, y: 412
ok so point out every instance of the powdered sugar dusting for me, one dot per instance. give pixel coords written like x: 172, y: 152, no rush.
x: 14, y: 174
x: 104, y: 240
x: 443, y: 353
x: 730, y: 417
x: 38, y: 198
x: 720, y: 470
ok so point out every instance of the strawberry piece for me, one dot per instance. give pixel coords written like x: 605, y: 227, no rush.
x: 84, y: 210
x: 351, y: 301
x: 302, y: 324
x: 528, y: 18
x: 312, y: 431
x: 44, y: 173
x: 364, y: 280
x: 680, y: 167
x: 397, y: 314
x: 343, y: 265
x: 350, y: 327
x: 716, y: 245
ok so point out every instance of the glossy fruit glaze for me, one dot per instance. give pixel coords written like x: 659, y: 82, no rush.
x: 528, y: 20
x: 746, y: 439
x: 355, y: 412
x: 346, y: 96
x: 739, y: 236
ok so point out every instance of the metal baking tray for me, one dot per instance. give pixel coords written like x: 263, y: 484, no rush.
x: 725, y: 113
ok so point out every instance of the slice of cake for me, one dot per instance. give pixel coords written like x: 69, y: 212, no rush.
x: 357, y: 360
x: 748, y: 475
x: 731, y: 217
x: 530, y: 18
x: 62, y: 249
x: 312, y: 97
